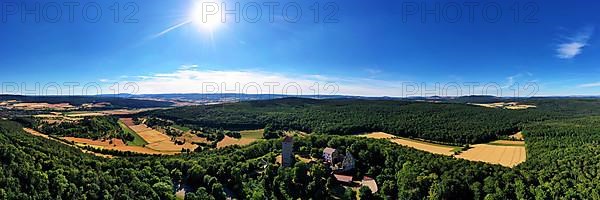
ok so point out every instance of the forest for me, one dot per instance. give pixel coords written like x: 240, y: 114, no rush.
x: 452, y: 123
x: 99, y: 127
x: 33, y: 167
x: 563, y: 161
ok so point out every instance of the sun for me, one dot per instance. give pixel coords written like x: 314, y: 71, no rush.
x: 205, y: 22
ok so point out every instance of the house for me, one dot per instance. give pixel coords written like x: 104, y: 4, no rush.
x: 343, y: 178
x: 338, y: 163
x: 329, y: 154
x: 349, y: 162
x: 287, y: 152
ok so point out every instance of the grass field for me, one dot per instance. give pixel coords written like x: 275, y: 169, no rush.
x: 181, y: 128
x: 253, y: 134
x: 138, y: 141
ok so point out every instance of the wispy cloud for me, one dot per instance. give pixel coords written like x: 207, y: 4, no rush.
x: 574, y: 44
x: 588, y: 85
x: 372, y: 72
x: 188, y: 67
x: 511, y: 80
x: 170, y: 29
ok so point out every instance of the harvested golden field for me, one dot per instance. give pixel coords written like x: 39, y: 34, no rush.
x: 158, y: 141
x: 520, y: 107
x: 52, y: 118
x: 85, y: 114
x: 189, y: 137
x: 150, y: 135
x: 506, y: 105
x: 420, y: 145
x: 507, y: 143
x: 518, y: 136
x: 116, y: 145
x: 170, y: 146
x: 505, y: 155
x: 34, y: 132
x: 424, y: 146
x: 228, y: 141
x: 248, y: 136
x: 41, y: 106
x: 101, y: 143
x: 378, y: 135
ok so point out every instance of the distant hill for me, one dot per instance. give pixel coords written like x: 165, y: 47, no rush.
x: 197, y: 97
x: 116, y: 102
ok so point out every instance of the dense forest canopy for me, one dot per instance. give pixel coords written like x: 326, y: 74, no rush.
x: 33, y: 167
x: 563, y: 157
x: 99, y: 127
x: 444, y: 122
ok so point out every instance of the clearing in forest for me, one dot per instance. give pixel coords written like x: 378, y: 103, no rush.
x: 505, y: 153
x: 506, y: 105
x: 517, y: 136
x: 248, y: 136
x: 150, y: 135
x: 420, y: 145
x: 228, y: 141
x: 34, y: 132
x: 138, y: 140
x: 113, y: 144
x: 147, y: 141
x: 156, y: 140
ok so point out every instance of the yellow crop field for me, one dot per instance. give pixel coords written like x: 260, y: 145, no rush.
x: 502, y: 153
x: 420, y: 145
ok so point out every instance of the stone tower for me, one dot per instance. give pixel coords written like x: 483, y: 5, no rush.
x: 287, y: 152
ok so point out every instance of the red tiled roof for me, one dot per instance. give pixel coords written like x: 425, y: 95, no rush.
x: 329, y: 150
x: 370, y: 183
x: 343, y: 178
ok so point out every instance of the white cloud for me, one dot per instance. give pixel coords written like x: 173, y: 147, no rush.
x: 518, y: 79
x: 188, y: 67
x: 587, y: 85
x: 202, y: 80
x: 193, y: 80
x: 573, y: 45
x: 372, y: 71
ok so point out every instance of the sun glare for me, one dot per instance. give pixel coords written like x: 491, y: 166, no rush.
x: 206, y: 22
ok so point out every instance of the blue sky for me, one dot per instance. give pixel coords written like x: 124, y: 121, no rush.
x: 372, y: 48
